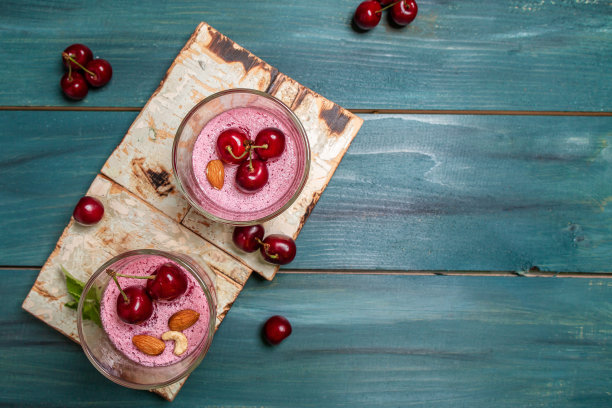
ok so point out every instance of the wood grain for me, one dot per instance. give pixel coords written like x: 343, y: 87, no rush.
x: 433, y: 192
x: 359, y: 341
x: 512, y: 55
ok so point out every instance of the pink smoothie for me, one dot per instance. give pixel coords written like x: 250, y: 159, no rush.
x: 282, y: 171
x: 121, y: 333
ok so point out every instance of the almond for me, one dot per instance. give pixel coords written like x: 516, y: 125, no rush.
x: 149, y: 344
x: 215, y: 173
x: 183, y: 320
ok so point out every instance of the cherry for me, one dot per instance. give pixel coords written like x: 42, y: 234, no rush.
x: 278, y: 249
x: 233, y: 146
x: 88, y: 211
x: 404, y: 11
x: 169, y: 283
x: 367, y: 15
x: 80, y: 53
x: 74, y: 86
x: 269, y: 143
x: 248, y: 238
x: 134, y: 305
x: 101, y: 70
x: 252, y: 175
x: 276, y: 329
x: 385, y: 2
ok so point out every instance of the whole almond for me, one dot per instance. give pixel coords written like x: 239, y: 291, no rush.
x: 215, y: 173
x: 183, y: 320
x: 148, y: 344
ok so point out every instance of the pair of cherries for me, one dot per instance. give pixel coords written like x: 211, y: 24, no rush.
x: 234, y: 147
x: 275, y: 248
x: 369, y: 12
x: 135, y: 303
x: 83, y: 69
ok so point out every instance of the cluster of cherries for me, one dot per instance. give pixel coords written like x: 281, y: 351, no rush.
x: 83, y: 69
x: 369, y: 12
x: 234, y: 147
x: 135, y: 303
x: 278, y: 249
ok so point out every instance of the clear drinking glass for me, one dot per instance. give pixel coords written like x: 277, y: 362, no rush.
x: 192, y: 125
x: 111, y: 362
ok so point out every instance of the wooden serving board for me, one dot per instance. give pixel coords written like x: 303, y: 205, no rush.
x: 144, y: 209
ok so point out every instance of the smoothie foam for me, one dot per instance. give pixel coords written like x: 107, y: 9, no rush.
x: 121, y: 333
x: 282, y: 171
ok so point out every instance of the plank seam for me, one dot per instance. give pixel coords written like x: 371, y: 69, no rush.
x: 512, y: 274
x: 355, y: 111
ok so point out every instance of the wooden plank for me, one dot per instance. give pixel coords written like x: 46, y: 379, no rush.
x: 433, y: 192
x: 517, y: 55
x: 425, y: 341
x: 128, y: 224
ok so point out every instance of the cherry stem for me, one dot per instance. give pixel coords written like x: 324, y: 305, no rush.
x: 113, y: 275
x: 263, y: 146
x: 229, y: 150
x: 251, y: 162
x: 69, y: 58
x: 135, y: 276
x: 70, y: 72
x: 266, y: 247
x: 388, y: 6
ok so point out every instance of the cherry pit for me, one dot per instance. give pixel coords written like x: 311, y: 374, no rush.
x: 368, y: 13
x: 83, y: 71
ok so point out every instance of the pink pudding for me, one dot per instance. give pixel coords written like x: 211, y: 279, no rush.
x: 230, y: 202
x: 121, y: 333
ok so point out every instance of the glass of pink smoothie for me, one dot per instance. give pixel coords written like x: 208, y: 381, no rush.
x: 110, y: 348
x: 195, y: 146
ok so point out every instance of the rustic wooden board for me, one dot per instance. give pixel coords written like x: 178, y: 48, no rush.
x: 210, y: 62
x: 497, y: 54
x: 330, y: 131
x: 128, y: 224
x: 144, y: 209
x: 358, y: 341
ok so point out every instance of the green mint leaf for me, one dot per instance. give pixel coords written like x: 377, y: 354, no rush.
x: 73, y: 285
x: 73, y: 304
x: 91, y: 311
x: 91, y: 305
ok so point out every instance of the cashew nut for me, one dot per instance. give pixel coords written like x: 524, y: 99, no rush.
x: 180, y: 341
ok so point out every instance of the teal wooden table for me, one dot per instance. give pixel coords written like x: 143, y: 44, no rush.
x: 460, y: 256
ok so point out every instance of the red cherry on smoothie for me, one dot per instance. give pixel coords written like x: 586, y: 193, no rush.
x: 252, y: 175
x: 404, y: 12
x: 232, y: 146
x: 88, y: 211
x: 101, y: 70
x: 248, y: 238
x: 137, y: 308
x: 367, y: 15
x: 278, y: 249
x: 269, y: 143
x: 80, y: 53
x: 276, y: 329
x: 74, y: 86
x: 169, y: 283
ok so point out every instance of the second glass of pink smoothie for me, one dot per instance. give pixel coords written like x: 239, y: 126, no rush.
x: 195, y: 146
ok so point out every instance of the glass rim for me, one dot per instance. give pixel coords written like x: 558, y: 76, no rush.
x: 207, y: 340
x: 296, y: 122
